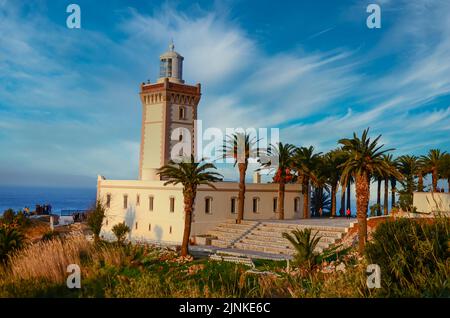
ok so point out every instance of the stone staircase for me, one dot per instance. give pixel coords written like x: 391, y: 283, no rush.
x: 266, y: 236
x: 227, y: 233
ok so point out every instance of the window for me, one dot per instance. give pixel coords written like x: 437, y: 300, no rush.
x: 233, y: 205
x: 297, y: 204
x: 255, y: 205
x: 169, y: 67
x: 136, y: 226
x: 125, y: 201
x: 162, y: 68
x: 180, y: 138
x: 181, y: 113
x: 138, y: 200
x: 170, y: 229
x: 150, y: 203
x: 208, y: 202
x: 108, y: 200
x: 149, y: 226
x: 275, y: 204
x: 172, y: 204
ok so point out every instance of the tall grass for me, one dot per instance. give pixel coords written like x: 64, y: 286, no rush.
x: 48, y: 260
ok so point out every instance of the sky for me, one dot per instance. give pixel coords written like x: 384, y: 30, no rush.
x: 69, y: 103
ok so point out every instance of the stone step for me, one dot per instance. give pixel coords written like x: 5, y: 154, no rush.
x: 279, y: 239
x: 275, y: 226
x: 269, y: 249
x: 220, y: 243
x: 243, y: 222
x: 227, y: 235
x: 285, y: 244
x: 230, y: 230
x: 268, y: 233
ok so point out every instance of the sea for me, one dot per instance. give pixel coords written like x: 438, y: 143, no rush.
x: 17, y: 198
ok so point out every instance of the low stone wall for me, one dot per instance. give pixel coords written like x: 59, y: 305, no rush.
x: 432, y: 202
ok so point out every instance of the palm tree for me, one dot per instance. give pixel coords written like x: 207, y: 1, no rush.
x: 320, y: 183
x: 365, y: 158
x: 393, y: 181
x: 431, y: 162
x: 388, y: 158
x: 305, y: 245
x: 240, y: 147
x: 409, y: 166
x: 305, y: 161
x: 284, y: 153
x: 332, y: 160
x: 444, y: 169
x: 379, y: 179
x: 190, y: 174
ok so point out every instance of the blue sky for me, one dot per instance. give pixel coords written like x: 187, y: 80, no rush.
x: 69, y: 105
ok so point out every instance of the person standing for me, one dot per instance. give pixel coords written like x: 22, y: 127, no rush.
x: 349, y: 213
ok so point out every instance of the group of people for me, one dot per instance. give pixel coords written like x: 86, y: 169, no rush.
x: 347, y: 213
x: 79, y: 217
x: 43, y: 209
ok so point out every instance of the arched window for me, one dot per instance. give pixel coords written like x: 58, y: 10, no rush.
x: 255, y: 205
x: 275, y: 204
x: 150, y: 203
x: 181, y: 113
x: 172, y: 204
x: 138, y: 200
x: 125, y: 201
x: 233, y: 205
x: 108, y: 200
x: 208, y: 205
x: 297, y: 204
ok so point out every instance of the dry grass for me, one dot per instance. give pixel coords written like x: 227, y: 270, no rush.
x: 48, y: 260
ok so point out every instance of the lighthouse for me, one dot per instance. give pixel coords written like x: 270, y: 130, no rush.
x: 169, y: 109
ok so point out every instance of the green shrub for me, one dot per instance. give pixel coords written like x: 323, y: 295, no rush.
x: 120, y: 230
x: 413, y: 256
x: 10, y: 240
x: 8, y: 216
x: 95, y: 219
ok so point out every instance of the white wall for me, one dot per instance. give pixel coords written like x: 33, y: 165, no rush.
x: 428, y: 202
x: 161, y: 219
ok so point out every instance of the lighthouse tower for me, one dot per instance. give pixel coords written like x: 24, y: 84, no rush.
x: 169, y: 109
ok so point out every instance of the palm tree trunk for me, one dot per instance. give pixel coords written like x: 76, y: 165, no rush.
x: 420, y: 182
x: 434, y: 175
x: 343, y: 199
x: 305, y: 197
x: 348, y: 196
x: 241, y: 198
x: 333, y: 200
x: 362, y: 202
x: 386, y: 196
x: 280, y: 208
x: 393, y: 191
x: 448, y: 183
x: 378, y: 197
x: 189, y: 198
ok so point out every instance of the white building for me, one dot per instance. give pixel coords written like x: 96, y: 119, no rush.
x: 155, y: 212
